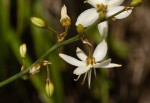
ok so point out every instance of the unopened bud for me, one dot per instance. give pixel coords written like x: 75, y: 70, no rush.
x: 80, y: 29
x: 38, y: 22
x: 49, y: 87
x: 65, y: 19
x: 23, y: 50
x: 22, y: 68
x: 136, y: 3
x: 35, y: 69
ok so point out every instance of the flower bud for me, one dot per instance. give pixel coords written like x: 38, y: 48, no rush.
x: 135, y: 3
x: 23, y: 50
x: 49, y: 87
x: 80, y: 29
x: 38, y: 22
x: 65, y: 19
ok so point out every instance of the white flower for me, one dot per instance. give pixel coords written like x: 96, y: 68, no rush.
x: 108, y: 7
x: 86, y: 64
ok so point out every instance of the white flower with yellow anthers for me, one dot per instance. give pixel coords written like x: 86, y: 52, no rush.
x: 101, y: 8
x: 86, y: 64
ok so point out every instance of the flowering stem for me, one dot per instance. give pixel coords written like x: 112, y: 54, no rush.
x: 52, y: 30
x: 56, y: 46
x: 90, y: 50
x: 66, y: 30
x: 48, y: 72
x: 52, y: 49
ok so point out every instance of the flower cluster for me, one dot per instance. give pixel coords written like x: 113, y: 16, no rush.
x: 99, y: 14
x: 95, y: 17
x: 101, y: 9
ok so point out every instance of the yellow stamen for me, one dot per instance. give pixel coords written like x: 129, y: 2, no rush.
x: 90, y: 61
x: 102, y: 8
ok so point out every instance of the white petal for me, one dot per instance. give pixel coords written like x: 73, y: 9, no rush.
x: 87, y: 17
x: 89, y: 78
x: 103, y: 28
x: 104, y: 2
x: 94, y: 72
x: 100, y: 51
x: 92, y: 2
x: 117, y: 9
x: 102, y: 64
x: 112, y: 65
x: 84, y: 78
x: 123, y: 14
x: 64, y: 13
x: 80, y: 54
x: 81, y: 70
x: 77, y: 78
x: 113, y: 3
x: 72, y: 60
x: 114, y: 10
x: 95, y: 2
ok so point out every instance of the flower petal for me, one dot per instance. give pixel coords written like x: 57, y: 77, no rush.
x: 72, y: 60
x: 95, y: 2
x: 84, y: 78
x: 113, y: 3
x: 92, y: 2
x: 89, y: 77
x: 81, y: 70
x: 112, y: 65
x: 102, y: 64
x: 103, y: 28
x: 87, y: 17
x: 124, y: 14
x: 80, y: 54
x: 77, y: 78
x: 100, y: 51
x: 117, y: 9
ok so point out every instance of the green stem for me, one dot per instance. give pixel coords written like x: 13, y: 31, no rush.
x: 66, y: 30
x: 51, y: 30
x: 48, y: 72
x: 53, y: 48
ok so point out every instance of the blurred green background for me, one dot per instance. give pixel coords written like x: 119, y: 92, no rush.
x: 128, y: 42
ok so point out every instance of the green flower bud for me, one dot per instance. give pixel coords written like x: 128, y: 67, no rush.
x: 23, y: 50
x: 80, y: 29
x: 136, y: 3
x: 49, y: 87
x: 38, y: 22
